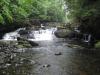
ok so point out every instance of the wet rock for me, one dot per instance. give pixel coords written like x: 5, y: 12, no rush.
x: 32, y: 62
x: 25, y: 43
x: 75, y: 46
x: 24, y: 60
x: 59, y: 53
x: 7, y: 52
x: 63, y: 33
x: 17, y: 65
x: 46, y: 65
x: 8, y: 65
x: 1, y: 60
x: 33, y: 43
x: 23, y: 32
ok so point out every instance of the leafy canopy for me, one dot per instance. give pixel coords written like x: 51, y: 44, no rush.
x: 11, y: 10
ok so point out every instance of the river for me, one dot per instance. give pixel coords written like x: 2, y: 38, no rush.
x: 53, y: 56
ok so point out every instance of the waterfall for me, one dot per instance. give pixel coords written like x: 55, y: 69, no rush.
x: 39, y: 35
x: 12, y: 35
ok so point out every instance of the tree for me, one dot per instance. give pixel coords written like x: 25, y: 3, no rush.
x: 11, y: 10
x: 87, y: 14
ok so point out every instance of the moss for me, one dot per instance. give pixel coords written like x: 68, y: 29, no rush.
x: 24, y: 46
x: 97, y: 45
x: 20, y: 46
x: 27, y: 45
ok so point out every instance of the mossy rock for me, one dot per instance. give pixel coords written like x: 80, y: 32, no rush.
x: 24, y: 46
x: 63, y: 33
x: 75, y: 46
x: 20, y: 46
x: 25, y: 43
x: 97, y: 45
x: 22, y: 42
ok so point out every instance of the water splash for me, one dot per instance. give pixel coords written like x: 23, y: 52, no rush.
x: 39, y: 35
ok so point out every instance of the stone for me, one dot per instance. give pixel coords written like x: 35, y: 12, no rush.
x: 63, y: 33
x: 25, y: 42
x: 46, y: 65
x: 75, y: 46
x: 33, y: 43
x: 59, y: 53
x: 23, y: 32
x: 32, y: 62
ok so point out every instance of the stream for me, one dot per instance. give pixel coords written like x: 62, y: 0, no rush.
x: 53, y: 56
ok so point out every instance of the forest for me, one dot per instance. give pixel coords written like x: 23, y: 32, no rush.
x: 11, y: 10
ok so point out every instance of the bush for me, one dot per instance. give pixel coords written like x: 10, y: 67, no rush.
x: 97, y: 45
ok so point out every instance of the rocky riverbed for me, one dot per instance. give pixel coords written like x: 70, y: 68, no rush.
x: 55, y: 56
x: 49, y: 58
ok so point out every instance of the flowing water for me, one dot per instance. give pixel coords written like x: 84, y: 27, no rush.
x: 39, y: 35
x: 53, y: 56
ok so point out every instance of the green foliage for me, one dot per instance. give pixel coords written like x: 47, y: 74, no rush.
x: 7, y: 13
x: 1, y: 19
x: 86, y: 14
x: 79, y: 9
x: 22, y: 9
x: 97, y: 45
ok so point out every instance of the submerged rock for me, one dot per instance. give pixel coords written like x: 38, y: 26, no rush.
x: 59, y: 53
x: 46, y: 65
x: 75, y: 46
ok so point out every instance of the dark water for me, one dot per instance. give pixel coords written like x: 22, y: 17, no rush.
x: 42, y: 60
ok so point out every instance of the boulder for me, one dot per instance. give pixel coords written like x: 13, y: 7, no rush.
x: 26, y: 33
x: 25, y: 42
x: 63, y: 33
x: 23, y: 32
x: 32, y: 43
